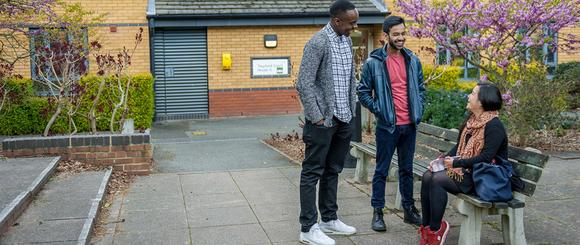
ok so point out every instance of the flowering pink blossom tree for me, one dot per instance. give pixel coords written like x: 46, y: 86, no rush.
x: 494, y: 34
x: 500, y: 37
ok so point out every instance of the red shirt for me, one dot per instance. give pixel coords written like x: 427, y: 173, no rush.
x: 398, y: 76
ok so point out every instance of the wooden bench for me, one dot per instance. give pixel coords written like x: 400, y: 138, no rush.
x: 431, y: 142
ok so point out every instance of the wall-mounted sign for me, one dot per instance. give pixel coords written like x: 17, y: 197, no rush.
x: 270, y: 67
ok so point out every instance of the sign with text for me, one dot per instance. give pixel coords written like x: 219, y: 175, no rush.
x: 270, y: 67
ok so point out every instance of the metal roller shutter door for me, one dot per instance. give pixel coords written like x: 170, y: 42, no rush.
x: 181, y: 86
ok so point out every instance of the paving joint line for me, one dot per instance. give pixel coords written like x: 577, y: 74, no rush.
x: 186, y: 211
x: 253, y: 211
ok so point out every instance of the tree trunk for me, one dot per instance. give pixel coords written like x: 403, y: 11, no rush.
x: 92, y: 116
x: 53, y: 118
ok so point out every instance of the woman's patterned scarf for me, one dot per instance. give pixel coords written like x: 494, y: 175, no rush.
x: 476, y: 128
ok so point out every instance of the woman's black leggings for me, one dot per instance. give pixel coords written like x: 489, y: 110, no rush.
x: 434, y: 188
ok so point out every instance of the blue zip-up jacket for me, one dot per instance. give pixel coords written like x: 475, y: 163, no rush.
x: 375, y: 78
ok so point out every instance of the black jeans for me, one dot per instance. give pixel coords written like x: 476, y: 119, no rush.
x: 326, y: 149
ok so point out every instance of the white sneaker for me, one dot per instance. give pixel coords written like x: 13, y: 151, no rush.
x: 315, y: 236
x: 337, y: 227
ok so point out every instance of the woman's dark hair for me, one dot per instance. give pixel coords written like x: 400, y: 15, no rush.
x: 489, y: 96
x: 340, y: 7
x: 392, y: 21
x: 490, y: 99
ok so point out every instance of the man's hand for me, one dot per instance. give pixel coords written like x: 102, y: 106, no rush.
x: 320, y: 123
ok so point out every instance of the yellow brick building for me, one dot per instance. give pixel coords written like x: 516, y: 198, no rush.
x: 184, y: 43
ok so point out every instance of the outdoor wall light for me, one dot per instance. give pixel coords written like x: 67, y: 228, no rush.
x: 270, y: 40
x: 226, y: 61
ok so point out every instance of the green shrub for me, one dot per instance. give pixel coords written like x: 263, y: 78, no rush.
x: 569, y: 73
x: 467, y: 86
x: 141, y: 101
x: 30, y: 117
x: 445, y: 108
x: 449, y: 80
x: 30, y: 114
x: 537, y: 105
x: 19, y: 89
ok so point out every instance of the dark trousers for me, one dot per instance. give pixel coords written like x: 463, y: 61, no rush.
x: 402, y: 139
x: 326, y: 149
x: 434, y: 188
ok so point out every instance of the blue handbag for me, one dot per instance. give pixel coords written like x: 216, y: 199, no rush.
x: 493, y: 181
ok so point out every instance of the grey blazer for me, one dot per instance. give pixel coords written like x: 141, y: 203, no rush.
x: 315, y: 84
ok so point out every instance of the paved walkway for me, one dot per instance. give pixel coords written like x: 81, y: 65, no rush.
x: 227, y: 197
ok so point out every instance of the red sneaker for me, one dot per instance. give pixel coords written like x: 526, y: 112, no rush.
x: 438, y: 237
x: 423, y: 231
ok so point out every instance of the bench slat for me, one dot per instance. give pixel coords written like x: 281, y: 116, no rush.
x: 438, y: 132
x: 427, y: 152
x: 436, y: 143
x: 366, y: 148
x: 515, y: 203
x: 529, y: 189
x: 528, y: 157
x: 527, y: 172
x: 475, y: 201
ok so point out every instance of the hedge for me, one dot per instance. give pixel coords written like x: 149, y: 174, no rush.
x: 445, y: 108
x: 29, y: 114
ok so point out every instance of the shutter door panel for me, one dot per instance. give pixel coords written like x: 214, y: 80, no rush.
x: 181, y: 89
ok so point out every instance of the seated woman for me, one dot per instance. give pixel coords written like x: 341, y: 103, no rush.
x: 482, y: 137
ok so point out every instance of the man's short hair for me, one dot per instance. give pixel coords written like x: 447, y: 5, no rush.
x: 392, y: 21
x: 340, y: 7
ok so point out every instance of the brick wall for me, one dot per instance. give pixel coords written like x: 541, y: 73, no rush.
x: 128, y: 153
x: 128, y: 16
x: 253, y: 102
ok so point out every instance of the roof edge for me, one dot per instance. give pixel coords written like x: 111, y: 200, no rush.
x: 151, y: 7
x: 381, y: 5
x: 251, y: 15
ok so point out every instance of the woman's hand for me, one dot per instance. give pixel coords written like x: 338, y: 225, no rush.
x: 448, y: 162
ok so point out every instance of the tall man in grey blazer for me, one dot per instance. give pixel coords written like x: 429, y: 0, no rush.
x: 326, y: 86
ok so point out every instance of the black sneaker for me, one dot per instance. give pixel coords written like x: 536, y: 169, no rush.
x: 378, y: 223
x: 412, y: 216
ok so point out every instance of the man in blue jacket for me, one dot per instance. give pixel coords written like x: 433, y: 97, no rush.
x: 394, y: 74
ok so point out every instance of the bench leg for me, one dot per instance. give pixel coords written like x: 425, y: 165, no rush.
x: 393, y: 176
x: 512, y: 224
x: 513, y: 227
x: 470, y: 231
x: 361, y: 172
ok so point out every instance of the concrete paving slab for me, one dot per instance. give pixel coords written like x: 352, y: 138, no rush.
x: 277, y: 212
x: 219, y: 200
x: 142, y: 221
x: 282, y: 231
x: 163, y: 236
x: 206, y: 217
x: 145, y: 203
x: 215, y: 155
x: 258, y: 174
x: 52, y: 217
x: 390, y: 238
x: 353, y: 206
x: 340, y: 240
x: 159, y: 185
x: 208, y: 183
x: 20, y: 180
x: 362, y: 222
x: 235, y: 234
x: 225, y: 128
x: 44, y: 231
